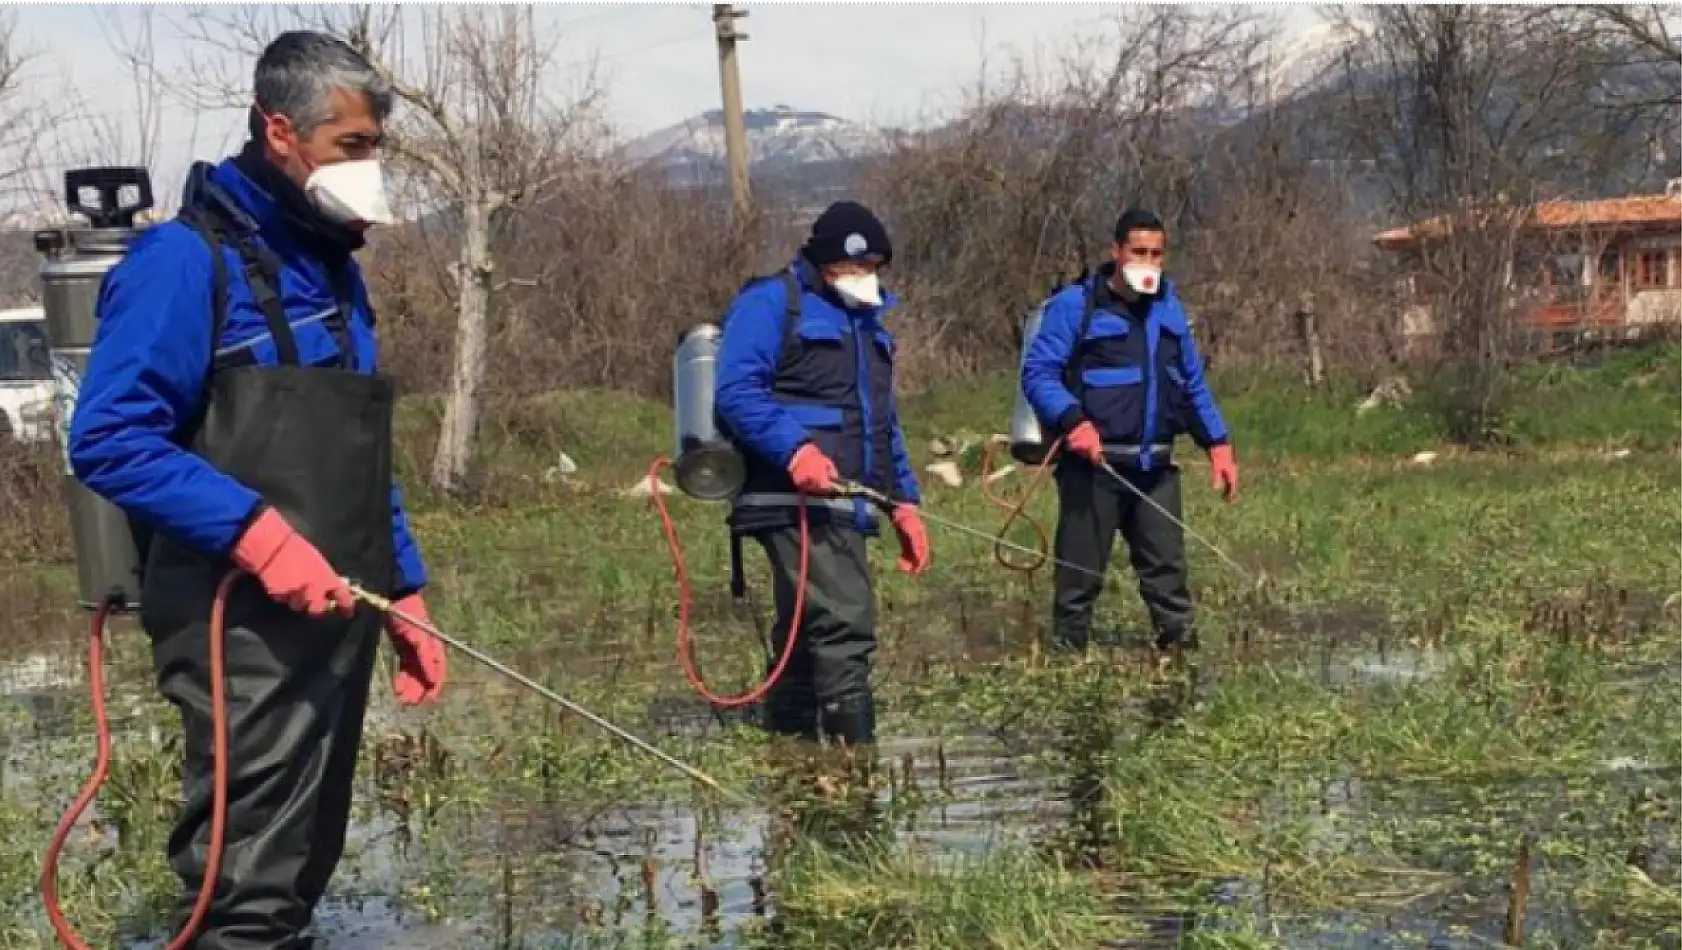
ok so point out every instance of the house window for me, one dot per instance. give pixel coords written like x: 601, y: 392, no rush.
x: 1650, y: 269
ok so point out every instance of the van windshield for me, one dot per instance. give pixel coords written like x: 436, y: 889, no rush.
x: 23, y: 352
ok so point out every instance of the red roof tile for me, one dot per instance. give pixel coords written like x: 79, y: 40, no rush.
x: 1633, y: 210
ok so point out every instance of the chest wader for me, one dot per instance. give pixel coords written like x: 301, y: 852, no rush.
x: 825, y: 689
x: 316, y: 444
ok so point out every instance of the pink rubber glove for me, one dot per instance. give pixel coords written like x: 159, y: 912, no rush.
x: 420, y: 655
x: 290, y: 568
x: 812, y: 471
x: 1085, y: 441
x: 913, y: 540
x: 1223, y: 472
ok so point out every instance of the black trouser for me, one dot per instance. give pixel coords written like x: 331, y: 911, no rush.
x: 297, y: 690
x: 827, y: 682
x: 1092, y: 507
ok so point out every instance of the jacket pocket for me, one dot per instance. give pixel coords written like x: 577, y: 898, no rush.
x: 815, y: 416
x: 1114, y: 399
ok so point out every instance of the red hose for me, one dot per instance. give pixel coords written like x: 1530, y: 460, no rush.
x: 1018, y: 509
x: 685, y: 649
x: 102, y: 766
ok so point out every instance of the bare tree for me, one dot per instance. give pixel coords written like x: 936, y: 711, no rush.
x: 134, y: 135
x: 1641, y: 24
x: 1017, y: 194
x: 1472, y: 115
x: 111, y: 127
x: 482, y: 134
x: 21, y: 122
x: 478, y: 142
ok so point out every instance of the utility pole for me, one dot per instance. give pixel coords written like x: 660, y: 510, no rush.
x: 735, y: 125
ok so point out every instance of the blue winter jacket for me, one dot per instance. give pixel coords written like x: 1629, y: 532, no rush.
x: 146, y: 375
x: 777, y: 390
x: 1141, y: 380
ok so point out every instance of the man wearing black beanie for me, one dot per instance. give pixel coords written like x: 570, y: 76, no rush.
x: 805, y: 389
x: 1114, y: 371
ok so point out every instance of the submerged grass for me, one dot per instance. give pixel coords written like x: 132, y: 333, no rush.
x: 1443, y: 661
x: 1005, y: 900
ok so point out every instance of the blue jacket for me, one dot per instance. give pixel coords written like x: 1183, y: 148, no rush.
x: 145, y: 378
x: 1141, y: 380
x: 777, y: 390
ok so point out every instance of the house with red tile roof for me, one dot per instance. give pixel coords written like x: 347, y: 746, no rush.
x: 1606, y: 268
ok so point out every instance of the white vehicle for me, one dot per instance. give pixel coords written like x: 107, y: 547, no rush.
x: 26, y: 376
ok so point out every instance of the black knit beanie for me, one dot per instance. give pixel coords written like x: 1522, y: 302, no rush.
x: 847, y: 231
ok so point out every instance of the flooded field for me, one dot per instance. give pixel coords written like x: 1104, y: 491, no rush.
x: 439, y: 860
x: 1447, y: 720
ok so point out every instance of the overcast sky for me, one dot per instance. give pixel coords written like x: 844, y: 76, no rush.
x: 890, y: 64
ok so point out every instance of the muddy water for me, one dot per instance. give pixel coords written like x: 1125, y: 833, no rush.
x: 461, y: 881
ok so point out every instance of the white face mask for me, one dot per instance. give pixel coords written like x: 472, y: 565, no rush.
x: 350, y: 192
x: 1143, y: 278
x: 859, y: 290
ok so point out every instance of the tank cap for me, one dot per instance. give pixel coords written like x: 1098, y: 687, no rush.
x: 103, y: 207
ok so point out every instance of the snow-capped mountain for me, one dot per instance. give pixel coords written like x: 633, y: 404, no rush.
x: 1308, y: 60
x: 779, y: 138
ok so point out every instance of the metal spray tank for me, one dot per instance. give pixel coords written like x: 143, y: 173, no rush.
x: 73, y: 269
x: 708, y: 466
x: 1027, y: 441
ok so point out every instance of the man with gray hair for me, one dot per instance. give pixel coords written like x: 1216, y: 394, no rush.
x: 233, y: 408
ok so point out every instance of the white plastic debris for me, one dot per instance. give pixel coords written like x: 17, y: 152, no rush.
x: 563, y: 469
x: 1392, y: 392
x: 1617, y: 454
x: 640, y: 489
x: 999, y: 473
x: 946, y: 472
x: 1423, y: 458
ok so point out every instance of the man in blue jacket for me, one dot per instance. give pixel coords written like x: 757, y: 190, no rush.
x: 806, y: 390
x: 1115, y: 372
x: 233, y: 408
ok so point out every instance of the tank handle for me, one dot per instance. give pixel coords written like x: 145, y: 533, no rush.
x: 107, y: 182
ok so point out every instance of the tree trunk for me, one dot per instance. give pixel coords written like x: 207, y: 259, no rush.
x: 1308, y: 329
x: 452, y: 463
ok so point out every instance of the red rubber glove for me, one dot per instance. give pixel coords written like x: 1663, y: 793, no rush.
x: 420, y: 655
x: 812, y: 471
x: 290, y: 568
x: 913, y: 540
x: 1085, y: 441
x: 1223, y: 472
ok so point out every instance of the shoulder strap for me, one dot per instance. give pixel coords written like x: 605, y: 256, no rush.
x: 793, y: 303
x: 195, y: 219
x: 261, y: 274
x: 1077, y: 353
x: 344, y: 297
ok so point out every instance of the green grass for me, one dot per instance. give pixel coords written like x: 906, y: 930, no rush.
x: 1625, y: 399
x: 1532, y: 585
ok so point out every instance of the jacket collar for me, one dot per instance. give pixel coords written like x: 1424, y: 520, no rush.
x: 259, y: 208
